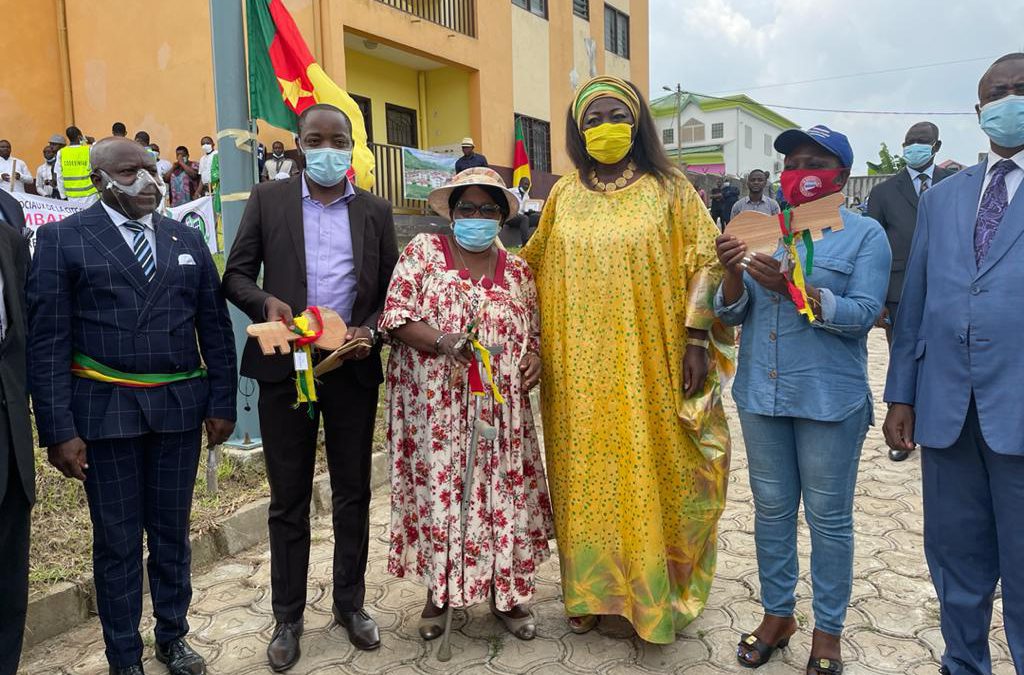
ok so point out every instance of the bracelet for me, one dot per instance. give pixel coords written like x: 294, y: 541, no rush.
x: 696, y: 342
x: 437, y: 342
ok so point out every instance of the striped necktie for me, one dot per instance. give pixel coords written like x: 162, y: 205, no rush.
x: 141, y: 248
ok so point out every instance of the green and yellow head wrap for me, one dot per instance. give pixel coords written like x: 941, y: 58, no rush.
x: 604, y: 86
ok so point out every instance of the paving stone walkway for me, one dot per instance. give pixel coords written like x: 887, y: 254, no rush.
x: 892, y: 626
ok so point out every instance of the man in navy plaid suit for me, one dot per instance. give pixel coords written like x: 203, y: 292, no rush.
x: 124, y: 311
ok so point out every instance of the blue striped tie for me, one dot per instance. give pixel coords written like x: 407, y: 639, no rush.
x: 141, y: 248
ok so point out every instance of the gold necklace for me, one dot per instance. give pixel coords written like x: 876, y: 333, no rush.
x: 618, y: 183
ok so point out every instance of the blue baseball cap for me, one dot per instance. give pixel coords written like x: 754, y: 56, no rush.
x: 833, y: 141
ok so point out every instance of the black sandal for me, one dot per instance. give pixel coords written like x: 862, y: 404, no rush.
x: 751, y: 644
x: 824, y: 666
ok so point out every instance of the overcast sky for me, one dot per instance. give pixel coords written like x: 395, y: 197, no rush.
x: 728, y: 46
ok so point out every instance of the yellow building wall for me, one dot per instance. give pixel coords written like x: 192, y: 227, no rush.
x: 148, y: 64
x: 382, y: 82
x: 640, y: 45
x: 531, y: 54
x: 158, y: 78
x: 31, y: 91
x: 563, y: 60
x: 448, y: 106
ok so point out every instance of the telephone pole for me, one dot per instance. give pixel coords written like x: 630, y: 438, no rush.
x: 230, y: 77
x: 679, y: 121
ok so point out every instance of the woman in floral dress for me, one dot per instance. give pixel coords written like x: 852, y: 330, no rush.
x: 441, y: 284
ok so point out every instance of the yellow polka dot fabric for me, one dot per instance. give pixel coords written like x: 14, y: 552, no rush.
x: 637, y: 472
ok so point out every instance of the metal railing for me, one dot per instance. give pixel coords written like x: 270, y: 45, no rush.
x: 457, y: 15
x: 390, y: 181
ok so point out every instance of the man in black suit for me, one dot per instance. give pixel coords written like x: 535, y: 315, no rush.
x: 17, y: 475
x: 11, y: 213
x: 893, y: 203
x: 320, y: 241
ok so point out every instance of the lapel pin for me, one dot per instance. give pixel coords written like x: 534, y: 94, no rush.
x: 174, y: 238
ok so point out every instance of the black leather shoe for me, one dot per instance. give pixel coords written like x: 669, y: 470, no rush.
x: 135, y: 669
x: 898, y: 455
x: 362, y: 630
x: 283, y: 652
x: 180, y: 659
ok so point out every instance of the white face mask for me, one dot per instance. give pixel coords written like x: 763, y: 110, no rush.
x: 141, y: 182
x: 207, y: 148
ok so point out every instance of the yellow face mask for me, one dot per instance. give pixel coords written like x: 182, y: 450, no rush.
x: 609, y: 143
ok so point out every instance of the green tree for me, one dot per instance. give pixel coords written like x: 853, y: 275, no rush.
x: 887, y: 164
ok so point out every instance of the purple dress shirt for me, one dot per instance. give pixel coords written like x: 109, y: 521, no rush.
x: 330, y: 263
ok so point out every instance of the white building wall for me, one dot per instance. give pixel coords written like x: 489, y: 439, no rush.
x: 738, y: 158
x: 756, y: 157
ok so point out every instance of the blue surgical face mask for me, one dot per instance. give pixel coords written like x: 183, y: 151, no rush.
x: 1003, y: 121
x: 918, y: 154
x: 327, y: 166
x: 476, y: 234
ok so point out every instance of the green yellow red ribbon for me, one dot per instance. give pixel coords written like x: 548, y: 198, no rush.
x: 796, y: 284
x: 305, y: 383
x: 90, y: 369
x: 484, y: 356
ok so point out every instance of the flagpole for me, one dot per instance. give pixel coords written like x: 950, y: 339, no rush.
x: 230, y: 77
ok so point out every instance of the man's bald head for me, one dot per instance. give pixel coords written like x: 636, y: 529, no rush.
x: 114, y: 150
x: 116, y: 163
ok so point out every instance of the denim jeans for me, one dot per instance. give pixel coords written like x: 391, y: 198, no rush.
x: 790, y: 457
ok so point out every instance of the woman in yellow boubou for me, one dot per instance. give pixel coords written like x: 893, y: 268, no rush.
x: 636, y: 437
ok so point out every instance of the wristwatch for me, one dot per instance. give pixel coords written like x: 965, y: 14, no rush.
x: 374, y: 335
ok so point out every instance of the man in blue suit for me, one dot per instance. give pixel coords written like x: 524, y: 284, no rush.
x: 130, y: 350
x: 955, y: 380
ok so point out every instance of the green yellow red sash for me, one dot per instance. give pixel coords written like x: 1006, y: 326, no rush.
x: 89, y: 369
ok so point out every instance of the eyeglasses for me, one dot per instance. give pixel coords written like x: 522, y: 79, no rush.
x: 469, y: 209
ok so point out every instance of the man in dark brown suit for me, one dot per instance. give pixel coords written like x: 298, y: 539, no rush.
x: 17, y: 472
x: 321, y: 241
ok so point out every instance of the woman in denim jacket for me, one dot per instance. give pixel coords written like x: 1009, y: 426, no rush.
x: 803, y: 397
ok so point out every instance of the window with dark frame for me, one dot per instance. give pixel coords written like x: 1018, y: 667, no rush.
x: 537, y: 136
x: 366, y: 108
x: 581, y: 8
x: 401, y: 123
x: 616, y: 31
x: 718, y: 130
x: 538, y: 7
x: 668, y: 136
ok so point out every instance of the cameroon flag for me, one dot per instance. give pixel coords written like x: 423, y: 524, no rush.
x: 520, y: 161
x: 284, y: 80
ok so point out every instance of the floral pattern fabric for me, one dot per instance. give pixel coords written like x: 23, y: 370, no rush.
x: 637, y: 471
x: 430, y: 418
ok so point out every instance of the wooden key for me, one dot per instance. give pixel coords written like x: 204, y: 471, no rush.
x: 276, y: 338
x: 761, y: 232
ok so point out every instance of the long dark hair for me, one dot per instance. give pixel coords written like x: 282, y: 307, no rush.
x: 648, y: 153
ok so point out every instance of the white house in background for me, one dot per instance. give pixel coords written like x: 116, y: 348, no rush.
x: 728, y: 135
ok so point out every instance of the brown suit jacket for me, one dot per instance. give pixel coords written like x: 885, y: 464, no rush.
x: 271, y: 236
